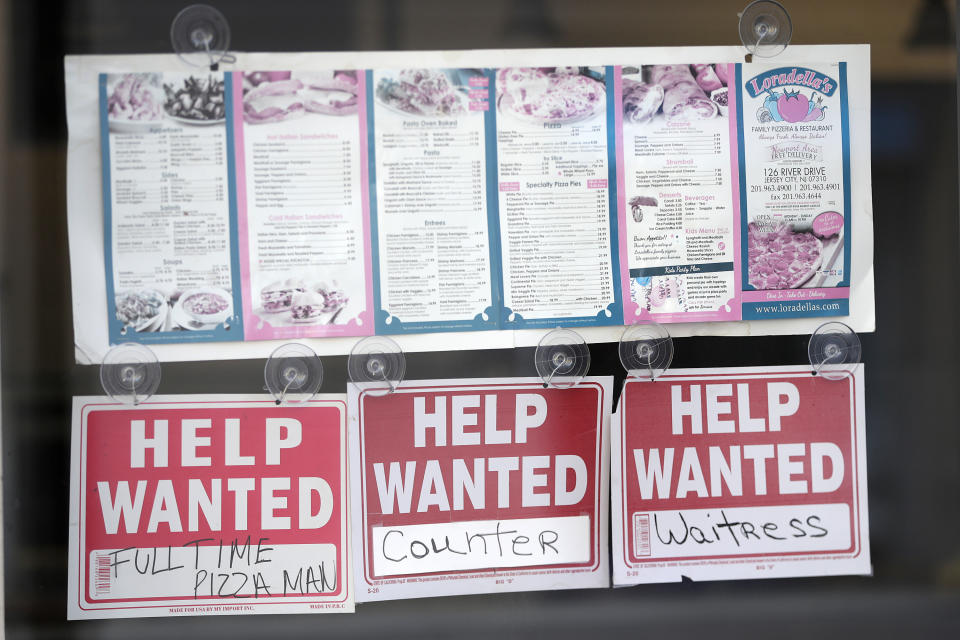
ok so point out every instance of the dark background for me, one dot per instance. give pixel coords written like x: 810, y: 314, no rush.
x: 912, y: 378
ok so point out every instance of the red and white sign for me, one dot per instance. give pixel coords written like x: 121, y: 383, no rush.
x: 196, y: 505
x: 477, y: 486
x: 739, y: 473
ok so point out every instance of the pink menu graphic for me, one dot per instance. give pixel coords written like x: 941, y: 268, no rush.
x: 677, y: 181
x: 303, y: 208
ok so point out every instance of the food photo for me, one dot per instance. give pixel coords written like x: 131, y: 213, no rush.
x: 298, y: 300
x: 150, y: 310
x: 551, y: 94
x: 277, y: 96
x: 674, y: 92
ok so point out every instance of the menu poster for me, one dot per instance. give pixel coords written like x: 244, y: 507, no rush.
x: 292, y: 204
x: 436, y: 267
x: 478, y: 486
x: 723, y: 474
x: 794, y: 190
x: 557, y: 191
x: 677, y: 214
x: 168, y: 197
x: 303, y: 216
x: 193, y: 505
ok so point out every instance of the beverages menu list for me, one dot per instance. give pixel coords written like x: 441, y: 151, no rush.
x: 286, y: 204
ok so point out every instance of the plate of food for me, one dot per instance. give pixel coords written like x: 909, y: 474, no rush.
x: 782, y: 258
x: 427, y: 93
x: 135, y: 103
x: 196, y: 101
x: 277, y: 297
x: 143, y: 310
x: 203, y: 308
x: 538, y: 95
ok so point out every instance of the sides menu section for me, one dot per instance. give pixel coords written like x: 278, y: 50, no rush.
x: 303, y: 221
x: 677, y: 211
x: 429, y: 155
x: 168, y: 203
x: 556, y: 188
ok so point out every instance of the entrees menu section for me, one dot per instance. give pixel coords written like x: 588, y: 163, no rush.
x: 287, y: 204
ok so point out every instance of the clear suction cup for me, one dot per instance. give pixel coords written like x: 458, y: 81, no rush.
x: 130, y: 373
x: 765, y: 28
x: 293, y: 373
x: 562, y: 358
x: 834, y: 350
x: 646, y: 350
x: 200, y: 36
x: 378, y: 362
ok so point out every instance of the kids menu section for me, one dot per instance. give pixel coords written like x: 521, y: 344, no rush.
x: 285, y: 204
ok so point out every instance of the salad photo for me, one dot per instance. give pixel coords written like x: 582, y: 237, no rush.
x: 195, y: 100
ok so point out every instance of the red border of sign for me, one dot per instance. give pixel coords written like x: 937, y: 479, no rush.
x: 854, y: 514
x: 211, y: 601
x: 592, y: 565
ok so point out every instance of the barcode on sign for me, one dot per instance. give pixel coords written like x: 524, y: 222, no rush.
x: 101, y: 577
x: 641, y: 534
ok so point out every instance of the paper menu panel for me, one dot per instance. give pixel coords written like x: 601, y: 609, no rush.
x: 412, y: 201
x: 677, y: 211
x: 167, y: 173
x: 434, y: 264
x: 554, y: 168
x: 795, y: 190
x: 303, y: 221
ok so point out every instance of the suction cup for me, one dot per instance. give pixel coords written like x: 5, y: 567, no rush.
x: 646, y: 350
x: 130, y: 373
x: 765, y: 28
x: 834, y: 350
x: 378, y: 362
x: 293, y: 373
x: 562, y: 358
x: 200, y: 36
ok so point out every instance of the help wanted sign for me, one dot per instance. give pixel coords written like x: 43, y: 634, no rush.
x: 739, y: 473
x: 476, y: 486
x: 195, y: 505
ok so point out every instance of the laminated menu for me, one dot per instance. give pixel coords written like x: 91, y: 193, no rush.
x: 281, y: 204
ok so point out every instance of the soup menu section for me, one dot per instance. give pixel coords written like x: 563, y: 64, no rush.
x: 286, y: 204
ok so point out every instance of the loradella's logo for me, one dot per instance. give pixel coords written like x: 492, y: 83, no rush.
x: 791, y: 94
